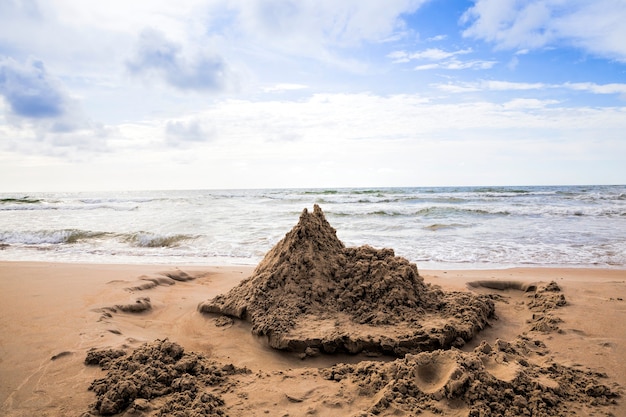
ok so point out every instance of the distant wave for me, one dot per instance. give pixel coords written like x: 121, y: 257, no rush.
x: 377, y: 213
x: 41, y: 237
x: 321, y: 192
x: 441, y: 211
x: 72, y: 236
x: 43, y: 205
x: 22, y: 200
x: 151, y: 240
x: 434, y: 211
x: 439, y: 226
x: 498, y: 190
x: 117, y: 200
x: 378, y: 199
x: 550, y: 211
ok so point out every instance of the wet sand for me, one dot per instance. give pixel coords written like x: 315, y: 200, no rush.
x: 53, y: 314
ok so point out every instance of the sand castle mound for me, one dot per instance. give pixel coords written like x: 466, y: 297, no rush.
x: 311, y: 293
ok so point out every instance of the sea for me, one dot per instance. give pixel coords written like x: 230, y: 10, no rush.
x: 435, y: 227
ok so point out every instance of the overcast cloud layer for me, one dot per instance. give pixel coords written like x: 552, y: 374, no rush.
x: 279, y: 93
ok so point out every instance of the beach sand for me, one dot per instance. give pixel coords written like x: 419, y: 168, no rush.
x: 53, y: 314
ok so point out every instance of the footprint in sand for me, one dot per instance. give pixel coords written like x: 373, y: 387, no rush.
x: 499, y: 369
x: 434, y: 371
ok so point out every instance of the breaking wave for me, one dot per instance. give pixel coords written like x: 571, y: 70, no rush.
x: 72, y: 236
x: 151, y: 240
x: 50, y: 237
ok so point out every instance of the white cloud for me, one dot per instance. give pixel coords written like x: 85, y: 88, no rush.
x: 323, y: 22
x: 613, y: 88
x: 322, y: 30
x: 45, y: 138
x: 435, y: 54
x: 450, y: 87
x: 156, y: 55
x: 596, y: 26
x: 40, y: 116
x: 286, y: 143
x: 184, y: 132
x: 455, y: 64
x: 284, y: 87
x: 430, y: 54
x: 426, y: 67
x: 496, y: 85
x: 334, y: 119
x: 399, y: 56
x: 447, y: 60
x: 437, y: 38
x: 528, y: 104
x: 30, y: 90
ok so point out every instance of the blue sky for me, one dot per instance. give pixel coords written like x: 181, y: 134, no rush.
x: 284, y: 93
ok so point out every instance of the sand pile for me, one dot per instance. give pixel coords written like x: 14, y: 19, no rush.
x: 312, y: 294
x: 159, y: 378
x: 543, y: 300
x: 507, y: 379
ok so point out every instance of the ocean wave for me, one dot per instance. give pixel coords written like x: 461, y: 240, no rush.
x: 20, y: 200
x: 152, y: 240
x: 116, y: 200
x: 43, y: 237
x: 321, y: 192
x: 376, y: 213
x: 501, y: 191
x: 473, y: 211
x: 42, y: 205
x: 72, y: 236
x: 442, y: 226
x: 446, y: 211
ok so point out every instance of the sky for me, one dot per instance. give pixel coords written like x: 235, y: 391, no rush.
x: 209, y: 94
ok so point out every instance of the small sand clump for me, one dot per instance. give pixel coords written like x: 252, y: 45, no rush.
x: 543, y: 302
x: 159, y: 377
x: 310, y: 291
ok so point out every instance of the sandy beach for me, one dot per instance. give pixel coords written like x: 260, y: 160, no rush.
x: 53, y: 314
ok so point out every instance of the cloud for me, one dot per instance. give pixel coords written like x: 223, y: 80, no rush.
x: 528, y: 104
x: 430, y: 54
x: 345, y: 133
x: 48, y: 138
x: 495, y: 85
x: 455, y: 64
x: 188, y: 131
x: 443, y: 59
x: 596, y: 26
x: 326, y: 22
x: 326, y: 31
x: 613, y: 88
x: 30, y: 90
x: 437, y: 38
x: 157, y: 56
x: 41, y: 117
x: 339, y: 137
x: 281, y: 87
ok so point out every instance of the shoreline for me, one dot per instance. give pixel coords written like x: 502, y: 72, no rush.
x: 51, y: 315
